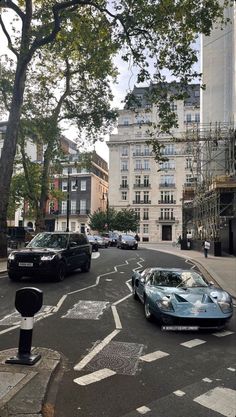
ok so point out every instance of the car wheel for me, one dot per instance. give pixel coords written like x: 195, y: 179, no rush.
x: 147, y: 311
x: 14, y: 276
x: 86, y: 266
x: 61, y: 272
x: 136, y: 247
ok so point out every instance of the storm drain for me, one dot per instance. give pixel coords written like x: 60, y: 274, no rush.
x: 87, y: 310
x: 120, y: 357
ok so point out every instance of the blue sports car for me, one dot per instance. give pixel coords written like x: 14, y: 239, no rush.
x: 181, y: 297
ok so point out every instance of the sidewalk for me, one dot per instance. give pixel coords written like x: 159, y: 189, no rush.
x: 220, y: 269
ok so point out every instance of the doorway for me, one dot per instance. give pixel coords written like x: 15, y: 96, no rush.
x: 166, y: 232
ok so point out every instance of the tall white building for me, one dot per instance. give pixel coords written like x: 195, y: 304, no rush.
x: 153, y: 190
x: 218, y: 101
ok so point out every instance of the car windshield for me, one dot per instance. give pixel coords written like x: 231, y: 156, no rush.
x: 182, y: 279
x: 49, y: 240
x: 127, y: 237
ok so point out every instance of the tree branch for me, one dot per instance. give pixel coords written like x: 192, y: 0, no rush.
x: 8, y: 4
x: 10, y: 46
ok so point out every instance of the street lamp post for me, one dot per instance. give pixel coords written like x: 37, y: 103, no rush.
x: 107, y: 209
x: 68, y: 201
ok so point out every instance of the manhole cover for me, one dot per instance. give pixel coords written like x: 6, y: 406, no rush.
x: 119, y: 357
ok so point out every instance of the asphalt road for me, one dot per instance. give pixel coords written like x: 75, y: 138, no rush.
x: 115, y: 363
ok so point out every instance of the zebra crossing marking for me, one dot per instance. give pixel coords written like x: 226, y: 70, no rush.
x: 143, y: 410
x: 222, y: 400
x: 179, y: 393
x: 150, y: 357
x: 94, y: 377
x: 192, y: 343
x: 223, y: 333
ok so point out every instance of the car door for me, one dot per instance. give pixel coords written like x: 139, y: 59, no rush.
x: 82, y: 250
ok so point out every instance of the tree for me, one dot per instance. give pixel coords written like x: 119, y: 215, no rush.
x: 103, y: 220
x: 160, y: 30
x: 126, y: 220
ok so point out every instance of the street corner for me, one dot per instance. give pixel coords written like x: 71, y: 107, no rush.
x: 23, y: 389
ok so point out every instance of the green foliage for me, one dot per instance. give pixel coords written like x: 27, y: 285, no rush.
x: 126, y: 221
x: 99, y: 219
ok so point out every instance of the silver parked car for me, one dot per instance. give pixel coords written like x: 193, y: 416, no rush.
x: 127, y: 242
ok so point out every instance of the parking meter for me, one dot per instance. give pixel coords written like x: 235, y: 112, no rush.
x: 28, y: 302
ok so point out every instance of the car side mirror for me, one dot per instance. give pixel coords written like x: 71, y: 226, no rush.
x: 26, y: 243
x: 72, y: 244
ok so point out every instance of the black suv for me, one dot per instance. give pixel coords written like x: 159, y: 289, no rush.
x: 50, y: 254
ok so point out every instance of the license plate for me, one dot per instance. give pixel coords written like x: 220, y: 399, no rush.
x: 198, y: 310
x: 26, y: 264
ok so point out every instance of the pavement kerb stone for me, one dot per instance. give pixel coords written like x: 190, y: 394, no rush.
x: 24, y: 388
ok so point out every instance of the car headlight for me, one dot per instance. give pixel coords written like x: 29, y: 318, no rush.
x: 47, y: 257
x: 225, y: 306
x: 11, y: 257
x: 165, y: 305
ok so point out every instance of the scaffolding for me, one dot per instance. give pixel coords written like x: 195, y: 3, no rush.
x: 209, y: 202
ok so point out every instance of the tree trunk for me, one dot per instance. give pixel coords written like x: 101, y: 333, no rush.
x: 9, y: 151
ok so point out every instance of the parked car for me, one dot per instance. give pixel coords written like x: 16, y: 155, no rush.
x: 181, y: 297
x: 102, y: 242
x: 50, y: 254
x: 111, y: 238
x: 127, y: 242
x: 93, y: 242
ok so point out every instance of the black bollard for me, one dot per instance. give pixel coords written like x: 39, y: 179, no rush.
x: 28, y: 302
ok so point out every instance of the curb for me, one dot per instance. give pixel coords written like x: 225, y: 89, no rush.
x: 24, y: 389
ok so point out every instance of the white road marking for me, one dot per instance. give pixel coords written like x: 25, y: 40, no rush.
x: 192, y: 343
x: 223, y: 333
x: 59, y: 304
x: 95, y: 255
x: 222, y: 400
x: 108, y: 279
x: 122, y: 299
x: 94, y: 376
x: 231, y: 369
x: 143, y: 410
x: 95, y: 351
x: 150, y: 357
x: 116, y: 317
x: 179, y: 393
x: 9, y: 329
x: 207, y: 380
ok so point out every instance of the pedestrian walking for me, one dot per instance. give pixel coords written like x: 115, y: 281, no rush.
x: 206, y: 247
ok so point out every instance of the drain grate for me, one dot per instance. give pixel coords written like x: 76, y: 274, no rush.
x: 121, y: 357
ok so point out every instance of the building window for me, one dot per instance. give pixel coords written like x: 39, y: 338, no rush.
x: 197, y: 117
x: 83, y: 185
x: 146, y: 214
x: 188, y: 117
x: 173, y: 107
x: 65, y: 171
x: 74, y: 185
x: 51, y: 207
x: 167, y: 214
x: 126, y: 122
x: 146, y: 150
x: 146, y: 196
x: 82, y: 207
x: 146, y: 180
x: 167, y: 164
x: 73, y: 226
x: 63, y: 207
x: 146, y: 164
x: 188, y: 163
x: 138, y: 164
x: 124, y: 165
x: 124, y: 151
x: 137, y: 197
x: 137, y: 213
x: 73, y: 206
x: 124, y: 182
x: 138, y: 150
x: 137, y: 180
x: 167, y: 197
x: 167, y: 180
x: 138, y: 229
x: 145, y: 228
x: 169, y: 149
x: 73, y: 170
x: 63, y: 226
x: 64, y: 185
x: 124, y: 195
